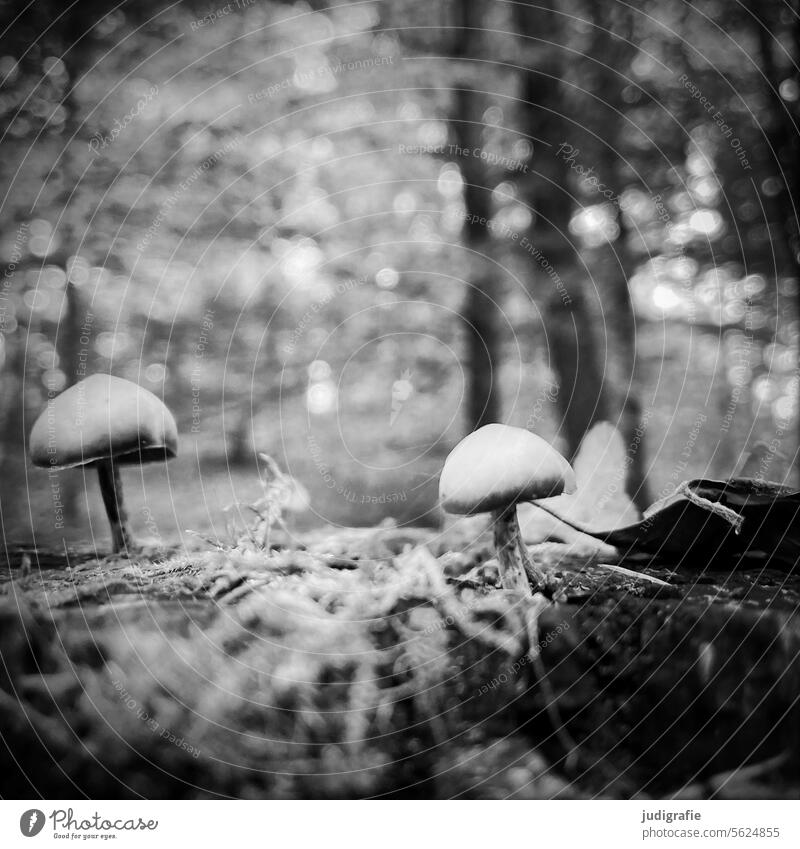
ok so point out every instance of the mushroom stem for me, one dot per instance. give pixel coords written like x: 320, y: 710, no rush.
x: 517, y: 571
x: 536, y: 576
x: 111, y: 489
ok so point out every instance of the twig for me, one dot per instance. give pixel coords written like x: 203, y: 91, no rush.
x: 634, y: 574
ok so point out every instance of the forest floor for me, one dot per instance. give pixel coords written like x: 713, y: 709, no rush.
x: 389, y: 662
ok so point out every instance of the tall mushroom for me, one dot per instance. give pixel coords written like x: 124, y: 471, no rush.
x: 105, y: 422
x: 494, y: 469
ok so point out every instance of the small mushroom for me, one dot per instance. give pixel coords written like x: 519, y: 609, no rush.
x: 491, y: 471
x: 105, y: 422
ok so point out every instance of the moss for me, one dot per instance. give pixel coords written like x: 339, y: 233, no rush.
x: 248, y: 673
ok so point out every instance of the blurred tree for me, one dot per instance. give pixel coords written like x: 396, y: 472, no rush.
x: 482, y: 302
x: 601, y: 122
x: 572, y: 320
x: 777, y: 29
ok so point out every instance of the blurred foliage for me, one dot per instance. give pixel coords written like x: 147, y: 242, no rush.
x: 257, y: 213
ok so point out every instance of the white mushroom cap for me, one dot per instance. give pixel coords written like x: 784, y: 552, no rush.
x: 497, y: 466
x: 100, y: 418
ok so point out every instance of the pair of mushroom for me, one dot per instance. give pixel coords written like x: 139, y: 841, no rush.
x: 491, y: 471
x: 105, y: 422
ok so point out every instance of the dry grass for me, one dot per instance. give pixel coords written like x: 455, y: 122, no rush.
x: 254, y: 673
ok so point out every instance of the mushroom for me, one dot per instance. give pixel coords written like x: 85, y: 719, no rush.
x: 105, y: 422
x: 494, y: 469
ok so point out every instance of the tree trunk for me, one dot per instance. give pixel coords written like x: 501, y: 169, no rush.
x: 621, y: 382
x: 555, y: 261
x: 241, y: 448
x: 782, y: 159
x: 614, y: 261
x: 69, y: 348
x: 68, y: 333
x: 481, y: 307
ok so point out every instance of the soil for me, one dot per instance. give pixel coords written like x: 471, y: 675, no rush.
x: 389, y: 662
